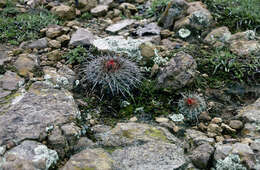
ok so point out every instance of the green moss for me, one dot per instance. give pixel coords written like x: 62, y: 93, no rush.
x: 156, y: 134
x: 111, y: 149
x: 128, y: 133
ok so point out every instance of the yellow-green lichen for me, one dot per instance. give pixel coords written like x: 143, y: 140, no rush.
x: 156, y: 134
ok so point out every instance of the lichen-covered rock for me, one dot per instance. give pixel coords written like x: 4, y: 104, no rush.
x: 10, y: 81
x: 221, y: 35
x: 175, y: 10
x: 64, y: 77
x: 99, y: 10
x: 81, y: 37
x: 64, y: 11
x: 246, y: 35
x: 90, y: 159
x: 149, y: 29
x: 201, y: 155
x: 25, y: 63
x: 114, y: 28
x: 128, y: 133
x: 29, y: 155
x: 197, y: 138
x: 86, y: 5
x: 31, y: 115
x: 54, y: 31
x: 179, y: 72
x: 151, y: 155
x: 39, y: 44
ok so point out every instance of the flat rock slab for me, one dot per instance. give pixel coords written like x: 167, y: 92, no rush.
x: 31, y: 115
x: 150, y: 29
x: 81, y: 37
x: 10, y: 81
x: 29, y: 155
x: 114, y: 28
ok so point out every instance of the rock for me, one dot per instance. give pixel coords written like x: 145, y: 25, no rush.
x: 10, y: 81
x: 114, y: 28
x: 58, y: 141
x: 201, y: 155
x: 54, y: 31
x: 64, y: 39
x: 71, y: 132
x: 195, y: 6
x: 29, y: 155
x: 246, y: 36
x: 64, y: 11
x: 216, y: 120
x: 236, y: 124
x: 179, y: 72
x: 221, y: 35
x: 3, y: 55
x: 227, y: 128
x: 84, y: 143
x: 2, y: 3
x: 54, y: 44
x: 171, y: 45
x: 39, y: 44
x: 151, y: 155
x: 96, y: 159
x: 124, y: 134
x: 81, y: 37
x: 204, y: 116
x: 184, y: 33
x: 150, y: 29
x: 161, y: 119
x: 128, y: 9
x: 214, y: 128
x: 106, y: 2
x: 197, y: 137
x: 175, y: 10
x: 25, y: 63
x: 245, y: 48
x: 64, y: 77
x: 99, y: 10
x: 31, y: 115
x: 54, y: 55
x: 166, y: 33
x: 147, y: 50
x: 86, y: 5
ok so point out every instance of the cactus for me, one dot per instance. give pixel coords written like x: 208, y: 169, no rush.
x: 111, y: 75
x: 191, y: 106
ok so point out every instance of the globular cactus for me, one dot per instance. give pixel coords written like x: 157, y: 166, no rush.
x: 191, y: 106
x: 111, y: 75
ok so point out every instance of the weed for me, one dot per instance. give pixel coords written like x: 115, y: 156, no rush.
x: 76, y: 55
x: 86, y: 16
x: 157, y: 8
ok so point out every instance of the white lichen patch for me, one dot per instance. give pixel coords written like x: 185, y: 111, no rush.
x: 43, y: 153
x: 176, y: 117
x: 2, y: 150
x: 19, y: 97
x: 160, y: 61
x: 184, y: 33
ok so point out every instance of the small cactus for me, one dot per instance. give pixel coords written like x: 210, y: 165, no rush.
x: 111, y: 75
x: 191, y: 106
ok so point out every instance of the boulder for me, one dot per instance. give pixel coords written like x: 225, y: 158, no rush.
x: 81, y: 37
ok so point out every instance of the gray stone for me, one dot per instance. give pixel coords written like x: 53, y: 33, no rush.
x: 84, y: 143
x: 201, y: 155
x: 251, y: 113
x: 246, y: 35
x: 99, y: 10
x: 71, y: 132
x: 10, y: 81
x: 178, y: 72
x: 114, y: 28
x: 175, y: 10
x: 39, y: 44
x: 197, y: 137
x: 236, y: 124
x: 86, y: 5
x: 245, y: 48
x: 54, y: 44
x: 96, y: 159
x: 39, y: 108
x: 3, y: 54
x: 150, y: 29
x: 25, y: 63
x: 81, y: 37
x: 31, y: 155
x: 54, y: 31
x: 106, y: 2
x: 151, y: 155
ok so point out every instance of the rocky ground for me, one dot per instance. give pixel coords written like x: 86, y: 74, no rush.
x: 49, y: 120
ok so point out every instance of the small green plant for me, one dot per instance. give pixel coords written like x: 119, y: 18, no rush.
x: 157, y: 7
x: 191, y: 106
x: 86, y: 16
x: 16, y: 28
x: 111, y: 75
x: 76, y: 55
x: 235, y: 14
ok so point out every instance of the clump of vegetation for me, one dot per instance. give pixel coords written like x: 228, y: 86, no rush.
x: 231, y: 162
x: 86, y: 16
x: 16, y: 27
x: 76, y: 55
x: 235, y: 14
x: 157, y: 8
x: 191, y: 106
x: 111, y: 74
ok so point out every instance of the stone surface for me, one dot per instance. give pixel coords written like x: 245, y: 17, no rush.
x: 39, y: 44
x: 64, y: 77
x: 25, y: 63
x: 64, y: 11
x: 201, y: 155
x: 3, y: 54
x: 149, y: 29
x: 197, y: 138
x: 54, y: 55
x: 54, y: 31
x: 31, y: 115
x: 86, y: 5
x: 81, y: 37
x: 245, y: 48
x: 90, y: 159
x: 10, y: 81
x: 175, y: 10
x: 99, y: 10
x: 179, y: 72
x: 114, y: 28
x: 221, y: 35
x: 54, y: 44
x: 2, y: 3
x: 63, y: 39
x: 29, y: 155
x: 147, y: 50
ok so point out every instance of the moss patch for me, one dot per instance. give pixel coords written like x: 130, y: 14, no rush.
x: 156, y: 134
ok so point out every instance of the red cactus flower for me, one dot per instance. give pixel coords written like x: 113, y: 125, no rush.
x: 191, y: 101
